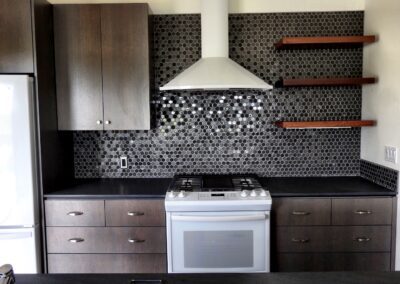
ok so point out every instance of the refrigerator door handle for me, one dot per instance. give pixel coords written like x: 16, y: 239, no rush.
x: 15, y: 236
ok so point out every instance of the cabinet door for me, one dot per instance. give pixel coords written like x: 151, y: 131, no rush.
x: 362, y: 211
x: 301, y: 211
x: 107, y: 263
x: 125, y: 53
x: 77, y: 35
x: 135, y: 213
x: 16, y: 38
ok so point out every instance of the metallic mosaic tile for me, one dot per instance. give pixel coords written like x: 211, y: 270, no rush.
x: 234, y: 131
x: 378, y: 174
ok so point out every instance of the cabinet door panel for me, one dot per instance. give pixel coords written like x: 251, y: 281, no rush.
x: 334, y: 239
x: 362, y: 211
x: 301, y: 211
x: 77, y: 35
x: 16, y: 37
x: 298, y: 262
x: 107, y: 263
x: 106, y: 240
x: 68, y: 213
x: 135, y: 213
x: 125, y: 53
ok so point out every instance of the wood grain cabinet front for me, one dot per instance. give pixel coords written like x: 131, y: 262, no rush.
x: 103, y: 66
x: 135, y: 213
x: 74, y: 213
x: 106, y: 236
x: 328, y: 234
x: 106, y: 240
x: 334, y: 239
x: 301, y: 211
x: 300, y: 262
x: 16, y: 37
x: 107, y: 263
x: 362, y: 211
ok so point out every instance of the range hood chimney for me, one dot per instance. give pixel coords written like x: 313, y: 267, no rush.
x: 215, y: 70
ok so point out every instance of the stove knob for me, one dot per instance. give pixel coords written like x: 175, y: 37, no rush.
x: 171, y: 194
x: 244, y: 193
x: 181, y: 194
x: 263, y: 193
x: 253, y: 193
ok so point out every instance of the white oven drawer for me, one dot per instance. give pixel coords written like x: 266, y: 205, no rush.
x: 218, y: 242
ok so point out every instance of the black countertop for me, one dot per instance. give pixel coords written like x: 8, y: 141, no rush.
x: 278, y: 187
x: 113, y: 188
x: 271, y: 278
x: 324, y: 186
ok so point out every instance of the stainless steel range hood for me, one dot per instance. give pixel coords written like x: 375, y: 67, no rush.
x: 215, y: 70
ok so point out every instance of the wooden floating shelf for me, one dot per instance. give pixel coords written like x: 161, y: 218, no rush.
x: 325, y: 82
x: 326, y: 124
x: 328, y: 41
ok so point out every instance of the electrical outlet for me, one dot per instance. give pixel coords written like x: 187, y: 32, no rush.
x: 123, y: 162
x: 391, y: 154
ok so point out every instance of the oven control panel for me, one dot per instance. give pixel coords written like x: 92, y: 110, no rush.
x: 255, y: 194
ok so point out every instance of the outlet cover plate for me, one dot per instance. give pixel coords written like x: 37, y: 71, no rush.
x: 391, y: 154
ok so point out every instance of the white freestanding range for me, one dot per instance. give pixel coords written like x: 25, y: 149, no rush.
x: 19, y: 216
x: 218, y: 224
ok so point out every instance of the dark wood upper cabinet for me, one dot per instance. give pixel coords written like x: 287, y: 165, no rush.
x: 16, y: 37
x: 102, y: 66
x: 77, y: 34
x: 125, y: 53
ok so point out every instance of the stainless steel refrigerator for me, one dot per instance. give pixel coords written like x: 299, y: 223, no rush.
x: 19, y: 216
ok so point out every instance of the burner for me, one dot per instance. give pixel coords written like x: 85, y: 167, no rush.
x: 186, y: 184
x: 214, y: 183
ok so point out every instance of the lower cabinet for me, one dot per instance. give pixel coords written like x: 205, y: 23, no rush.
x: 296, y: 262
x: 107, y: 263
x: 333, y: 234
x: 106, y: 236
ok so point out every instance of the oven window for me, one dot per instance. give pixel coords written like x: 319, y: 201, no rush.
x: 218, y: 249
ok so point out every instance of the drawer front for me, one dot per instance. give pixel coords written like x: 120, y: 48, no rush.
x: 74, y: 213
x: 106, y: 240
x: 135, y: 213
x: 301, y: 211
x: 295, y: 262
x: 334, y: 239
x: 107, y: 263
x: 362, y: 211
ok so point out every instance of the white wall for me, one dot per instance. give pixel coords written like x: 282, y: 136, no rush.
x: 382, y: 101
x: 239, y: 6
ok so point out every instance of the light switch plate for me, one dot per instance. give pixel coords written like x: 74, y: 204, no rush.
x: 124, y: 162
x: 391, y: 154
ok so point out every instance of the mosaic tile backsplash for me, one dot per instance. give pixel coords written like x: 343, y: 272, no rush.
x: 234, y: 131
x: 378, y: 174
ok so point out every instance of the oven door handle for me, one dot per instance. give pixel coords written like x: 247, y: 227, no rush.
x: 205, y: 218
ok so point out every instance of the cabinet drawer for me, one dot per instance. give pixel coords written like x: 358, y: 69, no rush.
x: 75, y: 213
x: 106, y: 240
x: 294, y: 262
x: 107, y: 263
x: 135, y: 213
x: 301, y: 211
x: 362, y: 211
x: 334, y: 239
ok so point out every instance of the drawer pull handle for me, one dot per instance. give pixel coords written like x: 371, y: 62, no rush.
x: 362, y: 239
x: 75, y: 213
x: 300, y: 213
x: 76, y: 240
x: 302, y: 241
x: 136, y: 241
x: 135, y: 213
x: 363, y: 212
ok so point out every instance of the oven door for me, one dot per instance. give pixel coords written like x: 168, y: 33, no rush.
x: 218, y: 242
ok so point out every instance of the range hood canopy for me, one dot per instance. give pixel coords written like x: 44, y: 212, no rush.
x: 215, y: 70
